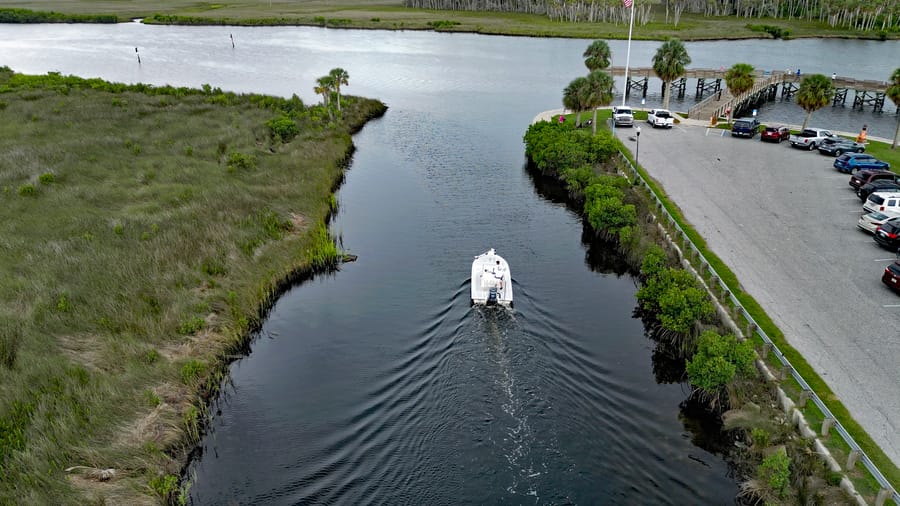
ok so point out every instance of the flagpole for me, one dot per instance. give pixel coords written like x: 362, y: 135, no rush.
x: 628, y: 52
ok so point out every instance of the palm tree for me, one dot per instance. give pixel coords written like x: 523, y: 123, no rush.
x: 323, y: 87
x: 893, y: 93
x: 576, y: 97
x: 339, y: 76
x: 738, y: 79
x: 668, y: 64
x: 815, y: 92
x: 597, y: 55
x: 600, y: 85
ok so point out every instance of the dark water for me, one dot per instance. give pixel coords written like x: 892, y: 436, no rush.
x: 380, y: 384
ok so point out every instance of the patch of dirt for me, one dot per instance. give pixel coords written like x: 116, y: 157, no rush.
x: 299, y: 222
x: 84, y: 349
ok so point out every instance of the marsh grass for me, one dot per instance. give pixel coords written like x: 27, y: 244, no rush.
x: 126, y: 276
x: 392, y: 15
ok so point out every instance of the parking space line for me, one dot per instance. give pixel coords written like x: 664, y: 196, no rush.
x: 891, y: 305
x: 884, y: 259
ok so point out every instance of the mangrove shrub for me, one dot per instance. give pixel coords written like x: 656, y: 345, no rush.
x: 718, y: 360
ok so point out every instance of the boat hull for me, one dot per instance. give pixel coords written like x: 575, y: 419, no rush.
x: 491, y: 280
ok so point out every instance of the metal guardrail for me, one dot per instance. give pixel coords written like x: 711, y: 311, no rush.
x: 705, y: 265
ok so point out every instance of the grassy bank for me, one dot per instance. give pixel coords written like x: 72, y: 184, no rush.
x: 391, y: 15
x: 141, y: 231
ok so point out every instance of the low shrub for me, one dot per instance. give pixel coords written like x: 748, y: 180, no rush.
x: 239, y: 161
x: 191, y: 325
x: 283, y: 129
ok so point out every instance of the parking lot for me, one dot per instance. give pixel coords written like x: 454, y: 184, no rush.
x: 784, y: 221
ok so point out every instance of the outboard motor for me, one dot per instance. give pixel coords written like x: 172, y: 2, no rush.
x: 492, y: 296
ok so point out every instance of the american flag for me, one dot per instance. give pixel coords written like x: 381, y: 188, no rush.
x: 628, y: 3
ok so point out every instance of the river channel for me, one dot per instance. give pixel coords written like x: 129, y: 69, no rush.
x: 379, y: 383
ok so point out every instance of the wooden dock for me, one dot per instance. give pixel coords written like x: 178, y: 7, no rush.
x: 711, y: 82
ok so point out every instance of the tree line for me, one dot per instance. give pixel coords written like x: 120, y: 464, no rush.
x: 883, y: 15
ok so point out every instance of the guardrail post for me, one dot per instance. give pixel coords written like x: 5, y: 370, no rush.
x: 883, y: 495
x: 804, y: 396
x: 751, y: 329
x: 852, y: 459
x: 784, y: 372
x: 766, y: 348
x: 826, y: 426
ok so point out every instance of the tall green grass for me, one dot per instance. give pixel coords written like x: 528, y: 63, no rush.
x: 131, y: 271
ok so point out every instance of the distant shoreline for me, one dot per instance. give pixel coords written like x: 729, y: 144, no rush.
x: 392, y: 16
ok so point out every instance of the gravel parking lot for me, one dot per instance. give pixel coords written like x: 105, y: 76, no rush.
x: 785, y: 221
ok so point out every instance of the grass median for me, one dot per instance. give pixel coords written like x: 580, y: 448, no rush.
x: 142, y: 232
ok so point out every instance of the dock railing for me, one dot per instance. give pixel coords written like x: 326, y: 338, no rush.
x: 755, y: 329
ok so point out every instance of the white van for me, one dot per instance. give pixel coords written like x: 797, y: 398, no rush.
x: 883, y: 202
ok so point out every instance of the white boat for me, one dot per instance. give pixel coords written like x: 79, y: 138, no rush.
x: 491, y: 280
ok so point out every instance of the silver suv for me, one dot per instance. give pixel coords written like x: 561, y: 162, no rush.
x: 622, y: 116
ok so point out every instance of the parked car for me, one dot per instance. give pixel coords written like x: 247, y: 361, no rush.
x: 745, y: 127
x: 809, y: 138
x: 877, y: 185
x: 775, y: 133
x: 891, y: 276
x: 888, y: 235
x: 883, y: 202
x: 848, y: 162
x: 660, y: 118
x: 863, y: 177
x: 622, y: 116
x: 870, y: 222
x: 836, y: 146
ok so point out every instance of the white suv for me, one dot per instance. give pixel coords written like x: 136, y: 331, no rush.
x: 883, y: 202
x: 622, y: 116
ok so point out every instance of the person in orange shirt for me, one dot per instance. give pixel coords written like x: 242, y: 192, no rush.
x: 861, y: 138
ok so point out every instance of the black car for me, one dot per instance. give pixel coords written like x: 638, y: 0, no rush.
x: 888, y: 235
x: 877, y: 185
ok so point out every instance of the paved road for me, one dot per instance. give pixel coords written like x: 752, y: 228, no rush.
x: 784, y: 221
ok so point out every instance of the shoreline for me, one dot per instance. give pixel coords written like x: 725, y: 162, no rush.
x: 887, y: 466
x: 346, y: 14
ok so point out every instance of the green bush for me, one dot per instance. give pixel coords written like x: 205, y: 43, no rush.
x: 718, y: 360
x: 191, y: 325
x: 47, y: 178
x: 191, y: 371
x: 239, y: 161
x: 775, y: 471
x: 443, y: 24
x: 760, y: 437
x: 776, y: 32
x: 677, y: 298
x: 27, y: 190
x: 283, y: 129
x: 166, y: 487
